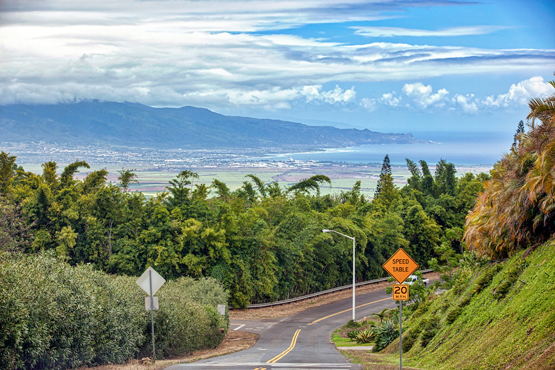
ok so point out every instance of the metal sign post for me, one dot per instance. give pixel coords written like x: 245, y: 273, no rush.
x: 150, y: 281
x: 400, y: 335
x: 152, y: 316
x: 400, y: 266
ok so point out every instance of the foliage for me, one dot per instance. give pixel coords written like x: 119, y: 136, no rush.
x: 517, y: 208
x: 470, y: 319
x: 15, y: 234
x: 430, y: 329
x: 366, y: 336
x: 57, y: 316
x: 353, y: 334
x: 385, y: 333
x: 262, y: 242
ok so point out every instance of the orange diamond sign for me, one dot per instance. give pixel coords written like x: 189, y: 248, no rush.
x: 400, y: 265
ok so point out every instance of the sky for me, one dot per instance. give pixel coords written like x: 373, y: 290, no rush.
x: 389, y: 66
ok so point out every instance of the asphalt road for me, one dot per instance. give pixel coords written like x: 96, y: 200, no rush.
x: 301, y: 341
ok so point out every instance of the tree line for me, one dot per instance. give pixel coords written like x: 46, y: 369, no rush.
x: 263, y: 242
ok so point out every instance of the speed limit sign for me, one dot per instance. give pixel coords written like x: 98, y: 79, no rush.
x: 401, y: 292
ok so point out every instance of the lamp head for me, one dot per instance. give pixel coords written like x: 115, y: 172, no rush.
x: 325, y: 231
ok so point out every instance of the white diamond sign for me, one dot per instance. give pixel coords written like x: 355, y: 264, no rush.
x: 144, y: 281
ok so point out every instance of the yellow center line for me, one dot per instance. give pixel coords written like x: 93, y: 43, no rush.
x: 291, y: 346
x: 350, y: 309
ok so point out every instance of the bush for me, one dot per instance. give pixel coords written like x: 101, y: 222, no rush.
x: 485, y: 280
x: 409, y: 339
x: 352, y: 324
x: 512, y: 276
x: 453, y: 315
x: 365, y: 336
x: 56, y: 316
x: 353, y: 334
x: 431, y: 327
x: 385, y: 333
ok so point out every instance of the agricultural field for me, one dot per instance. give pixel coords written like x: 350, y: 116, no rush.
x: 343, y: 176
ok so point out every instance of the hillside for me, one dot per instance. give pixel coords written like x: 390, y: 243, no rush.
x: 497, y: 316
x: 131, y: 124
x: 497, y: 312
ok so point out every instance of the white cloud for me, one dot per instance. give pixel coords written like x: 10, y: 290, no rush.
x: 208, y: 53
x: 446, y: 32
x: 521, y: 93
x: 423, y: 95
x: 337, y: 95
x: 466, y: 102
x: 390, y: 99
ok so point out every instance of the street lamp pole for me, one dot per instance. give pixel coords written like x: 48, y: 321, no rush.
x: 353, y: 239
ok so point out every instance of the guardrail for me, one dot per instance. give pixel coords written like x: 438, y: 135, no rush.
x: 323, y: 292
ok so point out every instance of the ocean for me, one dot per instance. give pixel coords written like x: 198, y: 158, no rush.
x: 460, y: 148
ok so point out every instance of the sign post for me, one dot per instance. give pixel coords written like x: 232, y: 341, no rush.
x: 150, y: 281
x: 400, y: 266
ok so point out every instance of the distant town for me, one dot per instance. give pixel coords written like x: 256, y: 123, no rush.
x: 155, y: 159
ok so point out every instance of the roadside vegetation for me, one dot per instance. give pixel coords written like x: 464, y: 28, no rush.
x: 496, y: 306
x: 263, y: 242
x: 55, y: 316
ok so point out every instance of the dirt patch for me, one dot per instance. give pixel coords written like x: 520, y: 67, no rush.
x: 234, y: 341
x: 277, y: 312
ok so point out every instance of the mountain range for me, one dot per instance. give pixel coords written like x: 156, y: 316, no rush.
x: 137, y: 125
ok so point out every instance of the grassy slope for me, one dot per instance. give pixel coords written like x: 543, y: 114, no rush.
x: 514, y: 332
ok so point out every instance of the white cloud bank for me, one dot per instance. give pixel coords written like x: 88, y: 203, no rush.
x: 411, y: 32
x: 421, y: 97
x: 213, y: 54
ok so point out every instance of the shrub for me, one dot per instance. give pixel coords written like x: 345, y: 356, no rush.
x: 430, y: 329
x: 352, y: 324
x: 512, y: 276
x: 409, y: 339
x: 59, y: 316
x: 353, y: 334
x: 453, y: 315
x: 385, y: 333
x: 485, y: 280
x: 365, y: 336
x: 56, y: 316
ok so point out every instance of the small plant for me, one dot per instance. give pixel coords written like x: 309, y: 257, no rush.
x: 352, y: 324
x: 431, y: 327
x: 409, y: 339
x: 465, y: 302
x: 385, y: 333
x: 512, y: 276
x: 353, y: 334
x: 365, y: 336
x: 453, y: 315
x: 485, y: 280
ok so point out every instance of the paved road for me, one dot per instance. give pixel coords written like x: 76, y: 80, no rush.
x: 301, y: 341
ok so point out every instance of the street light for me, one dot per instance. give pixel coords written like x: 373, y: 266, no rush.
x: 353, y: 239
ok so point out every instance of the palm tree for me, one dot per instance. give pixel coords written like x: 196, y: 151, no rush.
x: 312, y: 183
x: 382, y: 315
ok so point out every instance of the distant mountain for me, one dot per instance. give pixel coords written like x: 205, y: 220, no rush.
x: 132, y: 124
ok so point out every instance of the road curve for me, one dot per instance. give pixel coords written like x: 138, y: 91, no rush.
x: 301, y: 341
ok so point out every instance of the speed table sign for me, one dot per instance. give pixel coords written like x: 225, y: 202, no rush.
x: 400, y: 265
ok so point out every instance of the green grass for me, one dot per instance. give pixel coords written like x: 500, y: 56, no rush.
x: 339, y: 336
x: 516, y: 331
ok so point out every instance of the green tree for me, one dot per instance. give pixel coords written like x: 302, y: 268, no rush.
x: 180, y: 188
x: 7, y: 171
x: 386, y: 172
x: 126, y: 178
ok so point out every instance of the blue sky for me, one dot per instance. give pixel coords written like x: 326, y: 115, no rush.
x: 393, y: 66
